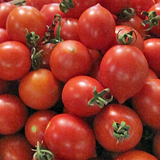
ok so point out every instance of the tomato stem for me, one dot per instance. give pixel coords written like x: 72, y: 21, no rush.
x: 99, y: 98
x: 153, y: 19
x: 42, y: 154
x: 65, y: 5
x: 120, y: 131
x: 126, y: 14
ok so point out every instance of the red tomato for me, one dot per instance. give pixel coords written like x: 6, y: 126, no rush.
x: 69, y: 29
x: 16, y: 147
x: 39, y: 3
x: 151, y: 53
x: 96, y: 27
x: 3, y: 35
x: 68, y: 59
x: 135, y: 154
x: 49, y: 10
x: 18, y: 22
x: 5, y: 9
x: 13, y: 113
x: 15, y: 60
x: 79, y: 90
x: 123, y: 78
x: 119, y: 139
x: 69, y: 138
x: 39, y: 89
x: 36, y: 125
x: 146, y: 103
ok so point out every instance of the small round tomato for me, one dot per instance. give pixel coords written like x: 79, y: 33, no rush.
x: 123, y: 78
x: 96, y: 27
x: 70, y: 58
x: 15, y: 61
x: 39, y: 89
x: 19, y: 23
x: 135, y: 154
x: 13, y: 113
x: 117, y: 128
x: 3, y: 35
x: 70, y: 138
x: 16, y: 147
x: 36, y: 125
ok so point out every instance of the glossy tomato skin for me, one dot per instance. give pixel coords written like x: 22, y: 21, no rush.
x: 18, y: 22
x: 36, y: 125
x: 16, y: 147
x: 3, y: 35
x: 70, y: 58
x: 79, y: 90
x: 151, y: 53
x: 64, y: 133
x: 15, y: 60
x: 146, y: 103
x: 13, y: 113
x: 5, y: 9
x: 104, y: 131
x: 39, y: 89
x: 135, y: 154
x: 123, y: 78
x: 98, y: 24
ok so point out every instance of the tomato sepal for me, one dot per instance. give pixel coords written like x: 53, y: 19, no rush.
x: 65, y: 5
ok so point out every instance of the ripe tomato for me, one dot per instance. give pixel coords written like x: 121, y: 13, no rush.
x: 15, y: 60
x: 16, y: 147
x: 96, y: 27
x: 18, y: 22
x: 3, y: 35
x: 146, y: 103
x: 152, y: 46
x: 119, y: 138
x: 79, y: 90
x: 70, y: 58
x: 135, y: 154
x: 36, y: 125
x: 13, y: 113
x: 123, y: 78
x: 39, y: 89
x: 69, y: 138
x: 5, y: 9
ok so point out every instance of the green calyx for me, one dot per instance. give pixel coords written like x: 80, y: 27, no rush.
x: 99, y: 98
x: 120, y: 131
x: 126, y: 14
x: 65, y: 5
x: 153, y: 19
x: 126, y: 38
x: 42, y: 154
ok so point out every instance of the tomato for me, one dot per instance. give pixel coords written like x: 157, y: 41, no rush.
x: 79, y: 6
x: 135, y: 154
x: 123, y: 78
x: 36, y: 125
x: 3, y: 35
x: 127, y: 130
x: 151, y: 53
x: 16, y: 147
x: 70, y: 58
x: 49, y: 10
x: 5, y: 9
x: 18, y: 23
x: 115, y: 6
x: 79, y: 90
x: 152, y: 74
x: 13, y: 113
x: 156, y: 145
x: 96, y: 27
x: 69, y: 138
x: 140, y: 6
x: 39, y: 3
x: 15, y: 60
x: 39, y: 89
x: 146, y: 103
x: 69, y: 29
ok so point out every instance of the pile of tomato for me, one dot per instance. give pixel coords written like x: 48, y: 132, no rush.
x: 79, y: 80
